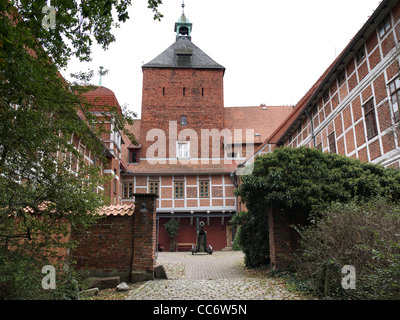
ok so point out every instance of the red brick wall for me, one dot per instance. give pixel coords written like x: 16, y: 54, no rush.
x: 106, y: 250
x: 121, y: 245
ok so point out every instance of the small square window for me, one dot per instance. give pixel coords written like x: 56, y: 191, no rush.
x: 184, y: 121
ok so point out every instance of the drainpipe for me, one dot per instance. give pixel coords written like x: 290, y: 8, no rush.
x: 312, y: 127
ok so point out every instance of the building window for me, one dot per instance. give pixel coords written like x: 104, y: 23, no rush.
x: 204, y: 188
x: 384, y: 27
x: 134, y: 156
x: 179, y: 188
x: 184, y: 91
x: 360, y: 55
x: 202, y: 92
x: 115, y: 181
x: 183, y: 149
x: 184, y: 121
x: 128, y: 190
x: 370, y: 119
x: 332, y: 143
x: 154, y: 187
x: 326, y: 96
x: 163, y: 91
x: 341, y: 77
x: 395, y: 98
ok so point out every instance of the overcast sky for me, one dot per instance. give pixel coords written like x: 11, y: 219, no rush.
x: 273, y: 51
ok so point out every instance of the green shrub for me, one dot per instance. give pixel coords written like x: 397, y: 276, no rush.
x: 253, y: 239
x: 299, y: 180
x: 363, y: 235
x: 21, y: 278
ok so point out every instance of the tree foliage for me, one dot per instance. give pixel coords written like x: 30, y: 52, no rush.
x: 307, y: 180
x: 42, y: 193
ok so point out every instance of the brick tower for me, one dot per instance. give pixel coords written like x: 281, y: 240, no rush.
x: 182, y: 89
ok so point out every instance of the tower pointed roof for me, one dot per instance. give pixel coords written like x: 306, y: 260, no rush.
x: 183, y: 53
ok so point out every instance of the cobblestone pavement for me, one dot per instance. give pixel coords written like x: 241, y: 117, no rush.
x: 220, y: 276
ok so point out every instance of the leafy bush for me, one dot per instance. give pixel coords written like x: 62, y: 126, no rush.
x: 363, y: 235
x: 21, y: 278
x: 299, y: 180
x: 256, y: 247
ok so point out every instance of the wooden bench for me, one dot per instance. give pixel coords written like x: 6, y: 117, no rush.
x: 184, y: 245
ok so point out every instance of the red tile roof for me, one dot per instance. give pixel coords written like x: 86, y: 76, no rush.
x: 124, y: 210
x: 102, y: 97
x: 262, y: 119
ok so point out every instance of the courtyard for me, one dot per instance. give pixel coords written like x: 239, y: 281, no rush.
x: 220, y: 276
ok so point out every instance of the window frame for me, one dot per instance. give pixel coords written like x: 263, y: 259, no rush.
x: 184, y: 121
x: 134, y: 151
x: 371, y: 124
x: 204, y: 188
x: 155, y: 185
x: 383, y: 26
x: 332, y: 142
x: 127, y: 190
x: 179, y: 189
x: 394, y: 90
x: 186, y: 154
x: 360, y: 55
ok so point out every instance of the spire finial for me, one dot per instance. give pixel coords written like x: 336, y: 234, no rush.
x: 102, y: 73
x: 183, y: 7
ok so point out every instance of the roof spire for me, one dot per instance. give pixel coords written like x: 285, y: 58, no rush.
x: 102, y: 73
x: 183, y: 27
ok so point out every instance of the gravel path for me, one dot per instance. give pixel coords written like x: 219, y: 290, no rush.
x: 221, y: 276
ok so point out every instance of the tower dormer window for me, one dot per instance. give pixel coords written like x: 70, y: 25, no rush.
x: 184, y: 58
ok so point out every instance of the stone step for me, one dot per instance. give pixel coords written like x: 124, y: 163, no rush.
x: 227, y: 249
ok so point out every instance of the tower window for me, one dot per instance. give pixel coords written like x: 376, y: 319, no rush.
x: 183, y: 150
x: 202, y: 92
x: 163, y: 91
x: 184, y: 91
x: 184, y: 121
